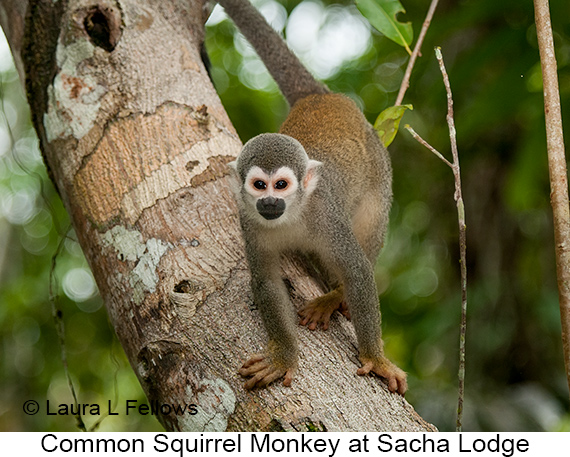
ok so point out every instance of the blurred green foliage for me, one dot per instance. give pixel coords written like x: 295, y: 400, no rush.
x: 33, y: 224
x: 515, y: 373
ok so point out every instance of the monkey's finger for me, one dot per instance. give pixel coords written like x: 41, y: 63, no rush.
x: 365, y: 369
x: 343, y: 309
x: 269, y: 378
x: 402, y: 385
x: 255, y: 380
x: 253, y: 359
x: 309, y: 320
x: 303, y: 313
x: 313, y: 324
x: 253, y: 369
x: 250, y: 384
x: 307, y: 314
x: 396, y: 378
x: 317, y: 318
x: 397, y: 384
x: 288, y: 377
x: 392, y: 384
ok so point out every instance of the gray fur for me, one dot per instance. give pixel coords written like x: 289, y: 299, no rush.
x: 270, y: 151
x: 338, y: 212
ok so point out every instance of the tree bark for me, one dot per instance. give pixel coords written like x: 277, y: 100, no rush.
x: 136, y: 141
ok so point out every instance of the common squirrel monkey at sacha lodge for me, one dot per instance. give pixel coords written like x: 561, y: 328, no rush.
x: 322, y: 185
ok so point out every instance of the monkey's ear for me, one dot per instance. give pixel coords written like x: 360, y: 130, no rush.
x: 311, y: 176
x: 234, y: 180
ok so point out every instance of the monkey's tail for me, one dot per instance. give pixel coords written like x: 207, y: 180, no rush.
x: 291, y: 76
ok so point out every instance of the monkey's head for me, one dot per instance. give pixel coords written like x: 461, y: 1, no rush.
x: 273, y: 178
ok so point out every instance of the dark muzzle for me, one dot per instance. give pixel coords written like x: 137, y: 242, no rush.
x: 270, y: 207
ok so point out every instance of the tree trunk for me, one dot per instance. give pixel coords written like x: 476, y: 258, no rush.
x: 136, y: 141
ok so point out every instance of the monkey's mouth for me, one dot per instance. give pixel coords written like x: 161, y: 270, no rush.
x: 270, y: 208
x: 270, y: 215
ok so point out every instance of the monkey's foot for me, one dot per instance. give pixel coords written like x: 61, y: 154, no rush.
x: 263, y: 372
x: 319, y: 311
x: 383, y: 367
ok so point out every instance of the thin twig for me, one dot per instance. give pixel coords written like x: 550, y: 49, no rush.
x: 416, y: 52
x: 56, y: 312
x: 462, y: 229
x: 557, y: 169
x: 60, y: 329
x: 462, y: 238
x: 423, y: 142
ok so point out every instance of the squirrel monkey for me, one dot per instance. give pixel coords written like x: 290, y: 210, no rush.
x: 322, y: 185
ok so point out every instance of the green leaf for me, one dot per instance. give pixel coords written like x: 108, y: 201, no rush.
x: 382, y: 15
x: 388, y: 121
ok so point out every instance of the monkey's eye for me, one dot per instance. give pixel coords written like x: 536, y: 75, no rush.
x: 259, y: 185
x: 281, y: 184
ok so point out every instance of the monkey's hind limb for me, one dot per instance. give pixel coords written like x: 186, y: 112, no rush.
x: 319, y: 311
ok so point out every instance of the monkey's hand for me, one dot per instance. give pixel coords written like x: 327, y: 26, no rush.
x: 264, y: 371
x: 319, y: 311
x: 383, y: 367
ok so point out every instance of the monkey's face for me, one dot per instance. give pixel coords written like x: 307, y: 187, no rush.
x: 272, y: 179
x: 271, y: 194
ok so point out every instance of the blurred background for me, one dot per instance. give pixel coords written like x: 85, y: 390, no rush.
x: 515, y: 371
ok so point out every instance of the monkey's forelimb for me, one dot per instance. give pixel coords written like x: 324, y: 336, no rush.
x: 271, y: 297
x: 395, y: 377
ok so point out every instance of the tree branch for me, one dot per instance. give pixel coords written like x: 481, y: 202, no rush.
x: 462, y: 228
x: 557, y: 169
x: 424, y: 143
x: 416, y: 52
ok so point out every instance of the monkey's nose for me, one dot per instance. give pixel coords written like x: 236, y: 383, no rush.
x: 270, y: 201
x: 270, y: 207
